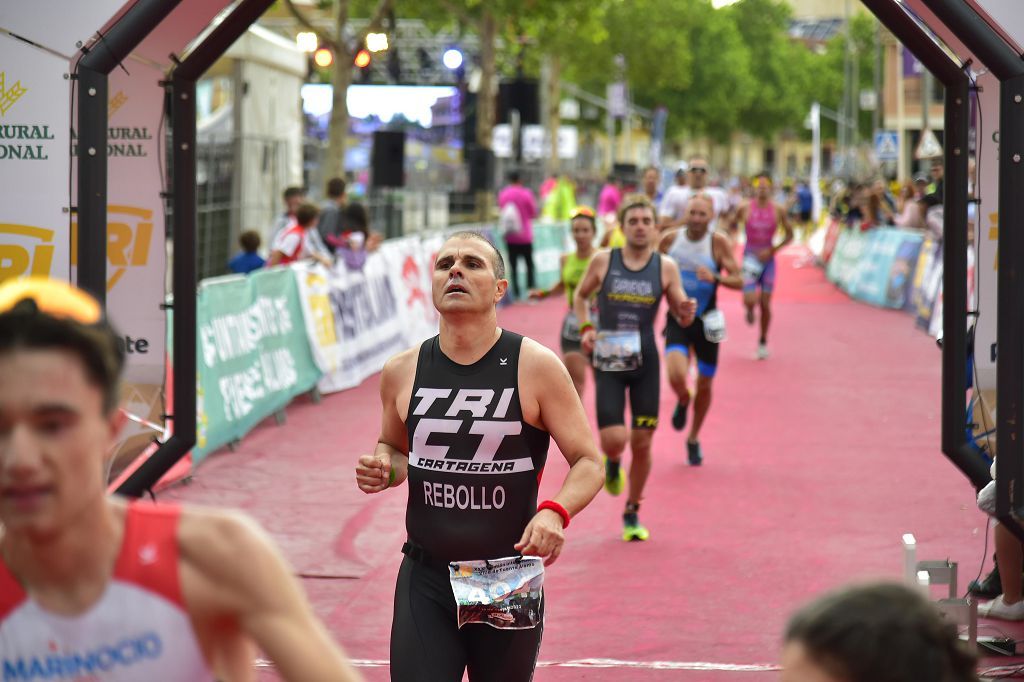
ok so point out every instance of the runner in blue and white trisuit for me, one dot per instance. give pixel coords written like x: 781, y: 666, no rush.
x: 701, y: 255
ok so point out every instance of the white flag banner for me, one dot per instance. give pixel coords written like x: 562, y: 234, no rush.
x: 358, y: 318
x: 367, y: 323
x: 60, y: 25
x: 35, y: 101
x: 410, y: 265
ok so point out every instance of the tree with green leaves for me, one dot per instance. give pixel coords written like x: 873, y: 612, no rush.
x: 344, y: 49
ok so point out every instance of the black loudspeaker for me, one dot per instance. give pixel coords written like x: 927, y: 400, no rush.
x: 481, y: 169
x: 521, y: 94
x: 387, y: 159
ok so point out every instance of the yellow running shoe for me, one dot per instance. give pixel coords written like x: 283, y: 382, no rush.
x: 614, y: 477
x: 632, y: 530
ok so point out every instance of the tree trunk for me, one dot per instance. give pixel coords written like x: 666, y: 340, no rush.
x: 554, y: 97
x: 485, y: 96
x: 341, y: 78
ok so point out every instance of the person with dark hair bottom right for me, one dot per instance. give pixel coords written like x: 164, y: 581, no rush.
x: 883, y: 632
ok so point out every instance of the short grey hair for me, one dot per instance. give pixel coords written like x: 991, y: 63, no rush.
x: 497, y: 262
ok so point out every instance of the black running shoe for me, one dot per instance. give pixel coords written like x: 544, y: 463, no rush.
x: 989, y: 587
x: 679, y: 416
x: 693, y: 454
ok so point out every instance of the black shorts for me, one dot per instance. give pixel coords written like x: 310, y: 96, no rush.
x: 644, y: 384
x: 428, y: 646
x: 805, y: 216
x: 682, y: 339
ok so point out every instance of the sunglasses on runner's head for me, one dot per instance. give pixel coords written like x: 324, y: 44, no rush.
x: 698, y: 169
x: 50, y: 297
x: 583, y: 212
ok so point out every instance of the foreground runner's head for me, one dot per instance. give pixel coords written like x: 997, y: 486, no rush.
x: 699, y: 211
x: 763, y: 186
x: 639, y: 221
x: 60, y: 372
x: 469, y: 275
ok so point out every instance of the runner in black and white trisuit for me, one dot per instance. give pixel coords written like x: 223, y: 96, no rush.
x: 701, y: 255
x: 468, y: 418
x: 630, y: 282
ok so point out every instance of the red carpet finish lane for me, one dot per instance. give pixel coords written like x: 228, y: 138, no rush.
x: 817, y: 461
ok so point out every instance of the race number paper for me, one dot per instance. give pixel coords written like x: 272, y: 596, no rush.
x: 503, y: 593
x: 617, y: 351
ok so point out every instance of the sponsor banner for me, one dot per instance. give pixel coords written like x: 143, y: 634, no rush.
x: 410, y: 264
x: 254, y: 354
x: 925, y: 296
x: 368, y: 326
x: 901, y: 274
x: 60, y: 25
x: 842, y: 267
x: 877, y: 271
x: 35, y: 100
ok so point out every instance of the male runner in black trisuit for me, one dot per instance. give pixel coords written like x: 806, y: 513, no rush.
x: 629, y: 283
x: 468, y: 417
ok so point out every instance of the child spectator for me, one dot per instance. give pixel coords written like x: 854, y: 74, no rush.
x: 247, y: 260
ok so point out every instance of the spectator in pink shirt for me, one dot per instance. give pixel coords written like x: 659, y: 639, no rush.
x: 520, y: 242
x: 610, y: 198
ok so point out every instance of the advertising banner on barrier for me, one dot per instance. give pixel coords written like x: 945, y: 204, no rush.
x: 410, y: 265
x: 35, y: 96
x: 931, y: 281
x: 986, y: 236
x: 254, y: 354
x: 367, y: 325
x: 901, y: 275
x: 879, y: 270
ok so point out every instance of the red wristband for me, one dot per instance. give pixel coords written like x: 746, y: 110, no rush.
x: 557, y: 508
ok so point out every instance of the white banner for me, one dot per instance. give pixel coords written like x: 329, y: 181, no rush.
x: 357, y: 319
x: 60, y: 25
x: 136, y: 250
x: 34, y: 122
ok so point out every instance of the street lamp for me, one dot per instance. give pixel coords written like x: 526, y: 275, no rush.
x: 452, y: 58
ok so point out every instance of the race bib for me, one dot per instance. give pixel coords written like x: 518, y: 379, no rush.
x: 752, y: 266
x: 571, y: 327
x: 714, y: 325
x: 617, y: 351
x: 503, y: 593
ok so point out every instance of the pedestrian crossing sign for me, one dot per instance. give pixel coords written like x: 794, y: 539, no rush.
x: 887, y: 147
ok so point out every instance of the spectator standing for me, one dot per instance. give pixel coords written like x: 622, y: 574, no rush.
x: 610, y: 197
x: 247, y: 260
x: 520, y: 242
x: 293, y: 198
x: 295, y: 242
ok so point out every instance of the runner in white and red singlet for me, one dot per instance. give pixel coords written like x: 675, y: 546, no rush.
x: 761, y: 218
x: 98, y: 589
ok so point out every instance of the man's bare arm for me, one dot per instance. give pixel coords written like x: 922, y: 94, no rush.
x: 553, y: 403
x: 373, y: 472
x: 787, y: 227
x: 668, y: 238
x: 681, y: 305
x: 726, y: 256
x: 590, y: 283
x: 232, y: 570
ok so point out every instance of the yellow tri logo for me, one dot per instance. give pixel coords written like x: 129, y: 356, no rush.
x: 8, y: 96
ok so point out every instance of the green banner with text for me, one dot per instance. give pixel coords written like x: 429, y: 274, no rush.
x: 253, y: 354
